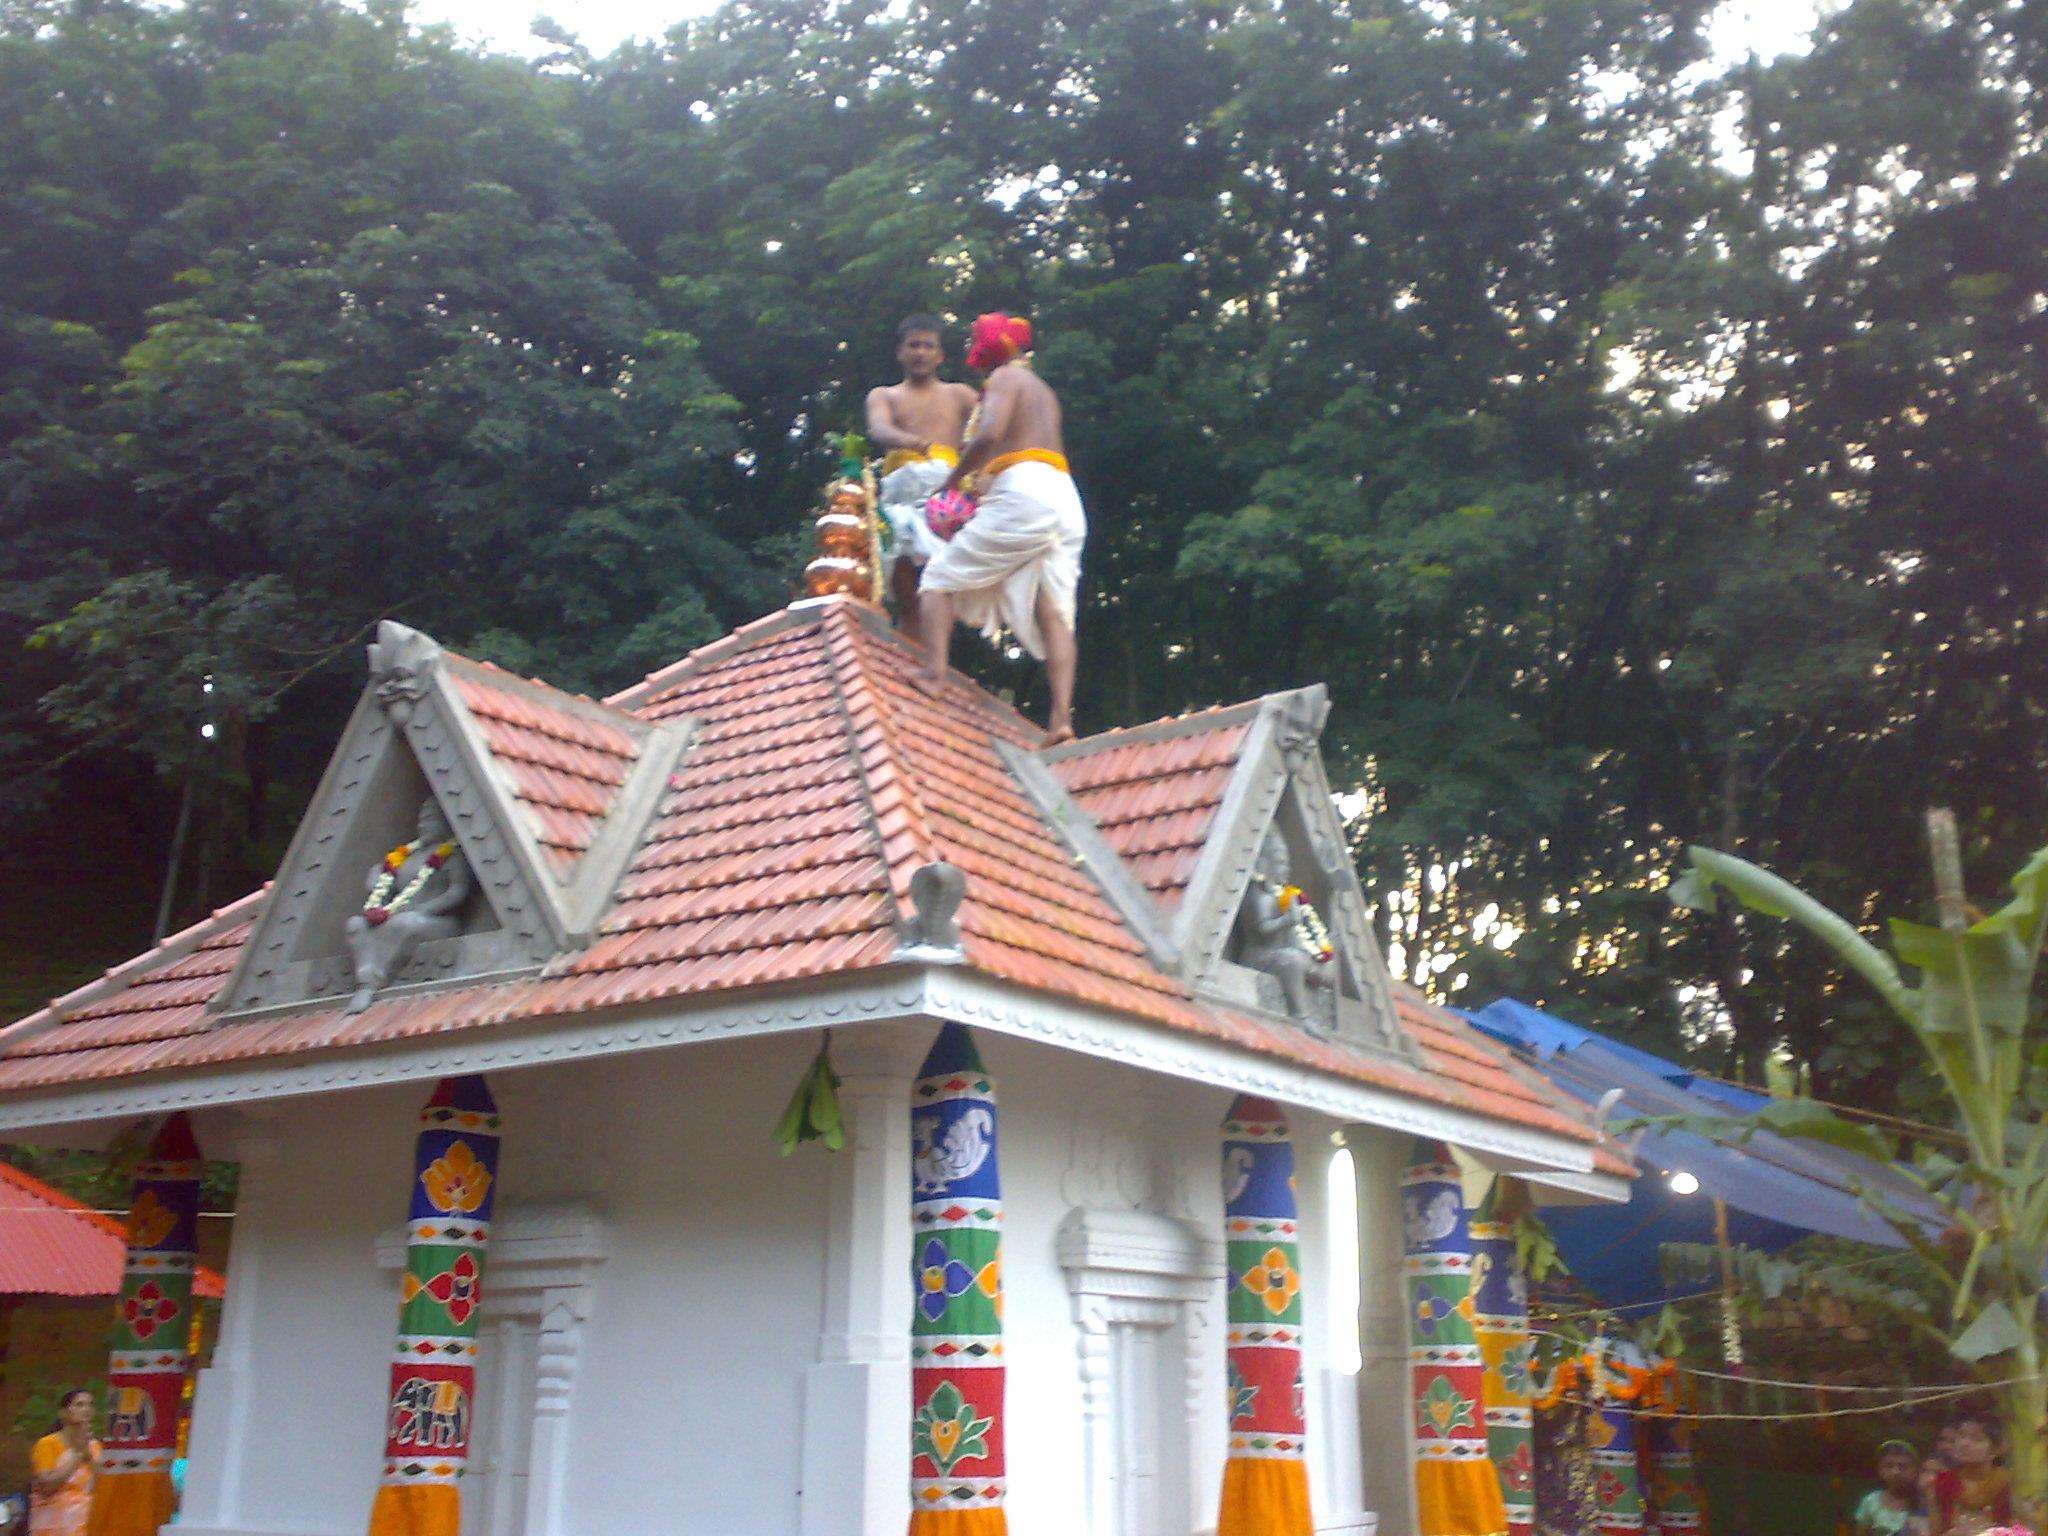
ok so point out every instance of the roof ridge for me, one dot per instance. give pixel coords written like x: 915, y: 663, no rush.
x: 579, y: 704
x: 878, y: 628
x: 661, y: 680
x: 1165, y: 727
x: 166, y: 951
x: 886, y: 781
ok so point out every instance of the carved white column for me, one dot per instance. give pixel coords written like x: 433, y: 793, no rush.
x: 564, y: 1310
x: 1336, y: 1474
x: 1098, y: 1429
x: 1133, y: 1269
x: 856, y: 1422
x: 1385, y: 1395
x: 220, y: 1397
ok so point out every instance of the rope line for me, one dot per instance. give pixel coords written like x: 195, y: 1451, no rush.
x: 1804, y: 1415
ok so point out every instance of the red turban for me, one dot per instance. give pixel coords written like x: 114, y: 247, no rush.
x: 997, y: 338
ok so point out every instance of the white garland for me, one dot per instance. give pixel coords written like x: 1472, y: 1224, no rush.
x: 393, y: 862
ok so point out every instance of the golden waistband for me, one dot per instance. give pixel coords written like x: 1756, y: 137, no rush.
x: 997, y: 465
x: 940, y: 454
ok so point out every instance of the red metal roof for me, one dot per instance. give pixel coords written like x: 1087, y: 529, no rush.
x: 821, y: 777
x: 51, y: 1245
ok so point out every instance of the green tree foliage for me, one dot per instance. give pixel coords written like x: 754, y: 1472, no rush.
x: 1644, y: 452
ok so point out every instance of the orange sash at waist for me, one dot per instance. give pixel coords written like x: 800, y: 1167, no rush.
x: 940, y: 454
x: 997, y: 465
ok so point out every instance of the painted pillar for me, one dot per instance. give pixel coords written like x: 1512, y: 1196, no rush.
x: 151, y: 1340
x: 1501, y: 1321
x: 433, y: 1377
x: 957, y: 1479
x: 1618, y: 1490
x: 1673, y: 1481
x: 1265, y: 1479
x: 1456, y: 1491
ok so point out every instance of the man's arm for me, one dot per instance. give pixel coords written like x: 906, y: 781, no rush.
x: 882, y: 429
x: 998, y: 404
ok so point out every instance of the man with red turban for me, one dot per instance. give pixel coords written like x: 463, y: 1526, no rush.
x: 1016, y: 564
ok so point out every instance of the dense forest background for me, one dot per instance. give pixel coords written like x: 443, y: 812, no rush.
x: 1644, y: 450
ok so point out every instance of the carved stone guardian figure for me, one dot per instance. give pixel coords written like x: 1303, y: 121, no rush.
x: 415, y: 893
x: 1275, y: 940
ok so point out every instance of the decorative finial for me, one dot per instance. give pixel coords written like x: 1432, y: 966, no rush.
x: 1301, y: 726
x: 401, y: 659
x: 849, y: 531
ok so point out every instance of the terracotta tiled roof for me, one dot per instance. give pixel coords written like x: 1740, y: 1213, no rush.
x: 53, y: 1245
x: 563, y: 766
x: 1155, y: 797
x: 821, y: 777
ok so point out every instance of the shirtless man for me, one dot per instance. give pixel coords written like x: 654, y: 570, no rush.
x: 1017, y: 564
x: 918, y: 424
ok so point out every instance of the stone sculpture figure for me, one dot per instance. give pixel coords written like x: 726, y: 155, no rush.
x: 1272, y: 933
x: 417, y: 898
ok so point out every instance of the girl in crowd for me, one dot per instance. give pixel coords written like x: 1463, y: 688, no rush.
x: 1888, y: 1509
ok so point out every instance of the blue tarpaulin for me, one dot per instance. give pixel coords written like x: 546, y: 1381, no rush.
x: 1776, y: 1189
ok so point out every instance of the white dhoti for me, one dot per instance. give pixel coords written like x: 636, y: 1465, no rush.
x: 1024, y: 540
x: 903, y: 492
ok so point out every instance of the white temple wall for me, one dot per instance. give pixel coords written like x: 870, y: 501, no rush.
x: 287, y: 1428
x: 681, y: 1363
x: 1088, y: 1134
x: 702, y: 1315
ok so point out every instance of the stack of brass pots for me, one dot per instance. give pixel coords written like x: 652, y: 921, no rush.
x: 845, y: 558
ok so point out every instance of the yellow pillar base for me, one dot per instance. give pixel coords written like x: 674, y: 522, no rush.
x: 1459, y: 1498
x: 131, y: 1504
x: 959, y: 1522
x: 1264, y: 1496
x: 426, y: 1509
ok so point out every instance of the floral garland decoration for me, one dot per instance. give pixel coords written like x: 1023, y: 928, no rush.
x: 1599, y: 1375
x: 1310, y: 931
x: 381, y: 905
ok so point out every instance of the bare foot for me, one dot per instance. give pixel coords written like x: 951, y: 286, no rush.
x: 930, y: 681
x: 1056, y: 735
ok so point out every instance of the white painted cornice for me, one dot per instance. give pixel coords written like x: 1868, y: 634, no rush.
x: 922, y: 993
x: 967, y: 998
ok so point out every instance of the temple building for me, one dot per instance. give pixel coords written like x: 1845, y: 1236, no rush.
x: 637, y: 921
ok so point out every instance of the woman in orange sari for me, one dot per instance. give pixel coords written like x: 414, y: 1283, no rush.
x: 61, y: 1468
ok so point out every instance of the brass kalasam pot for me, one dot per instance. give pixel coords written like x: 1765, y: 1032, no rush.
x: 842, y: 535
x: 830, y: 574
